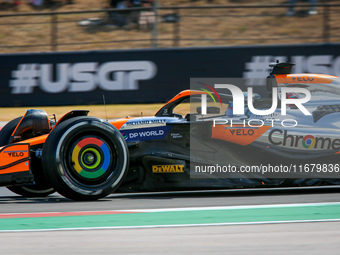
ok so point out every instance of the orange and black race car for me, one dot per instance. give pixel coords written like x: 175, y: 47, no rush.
x: 87, y: 158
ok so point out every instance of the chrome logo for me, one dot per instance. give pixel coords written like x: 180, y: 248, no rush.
x: 283, y: 138
x: 308, y: 141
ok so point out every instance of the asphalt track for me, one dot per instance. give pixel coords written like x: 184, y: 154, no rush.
x: 256, y: 233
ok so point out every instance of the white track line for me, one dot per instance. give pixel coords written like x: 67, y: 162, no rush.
x: 174, y: 226
x: 233, y: 207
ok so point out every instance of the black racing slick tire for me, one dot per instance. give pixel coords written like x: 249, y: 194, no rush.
x: 85, y: 158
x: 37, y: 189
x: 32, y: 190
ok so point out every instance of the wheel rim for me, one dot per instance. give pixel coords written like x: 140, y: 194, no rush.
x: 90, y: 159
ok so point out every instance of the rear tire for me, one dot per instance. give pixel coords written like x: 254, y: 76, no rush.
x: 37, y: 189
x: 85, y: 158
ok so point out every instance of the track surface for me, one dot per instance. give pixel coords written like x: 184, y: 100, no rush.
x: 11, y: 203
x: 292, y: 238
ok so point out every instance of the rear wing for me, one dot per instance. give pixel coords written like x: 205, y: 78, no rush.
x: 278, y: 69
x: 15, y: 164
x: 325, y: 86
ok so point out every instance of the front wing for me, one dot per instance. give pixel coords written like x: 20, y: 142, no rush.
x: 15, y: 164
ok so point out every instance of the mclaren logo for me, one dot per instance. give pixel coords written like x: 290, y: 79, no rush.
x: 168, y: 169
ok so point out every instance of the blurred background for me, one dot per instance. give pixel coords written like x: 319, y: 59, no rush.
x: 67, y: 25
x: 76, y: 52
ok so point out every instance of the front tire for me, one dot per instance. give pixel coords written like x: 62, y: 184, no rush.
x: 85, y: 158
x: 32, y: 190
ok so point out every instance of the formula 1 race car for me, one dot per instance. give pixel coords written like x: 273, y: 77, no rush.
x: 87, y: 158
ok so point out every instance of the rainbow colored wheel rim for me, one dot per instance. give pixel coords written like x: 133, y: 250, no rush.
x: 91, y: 157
